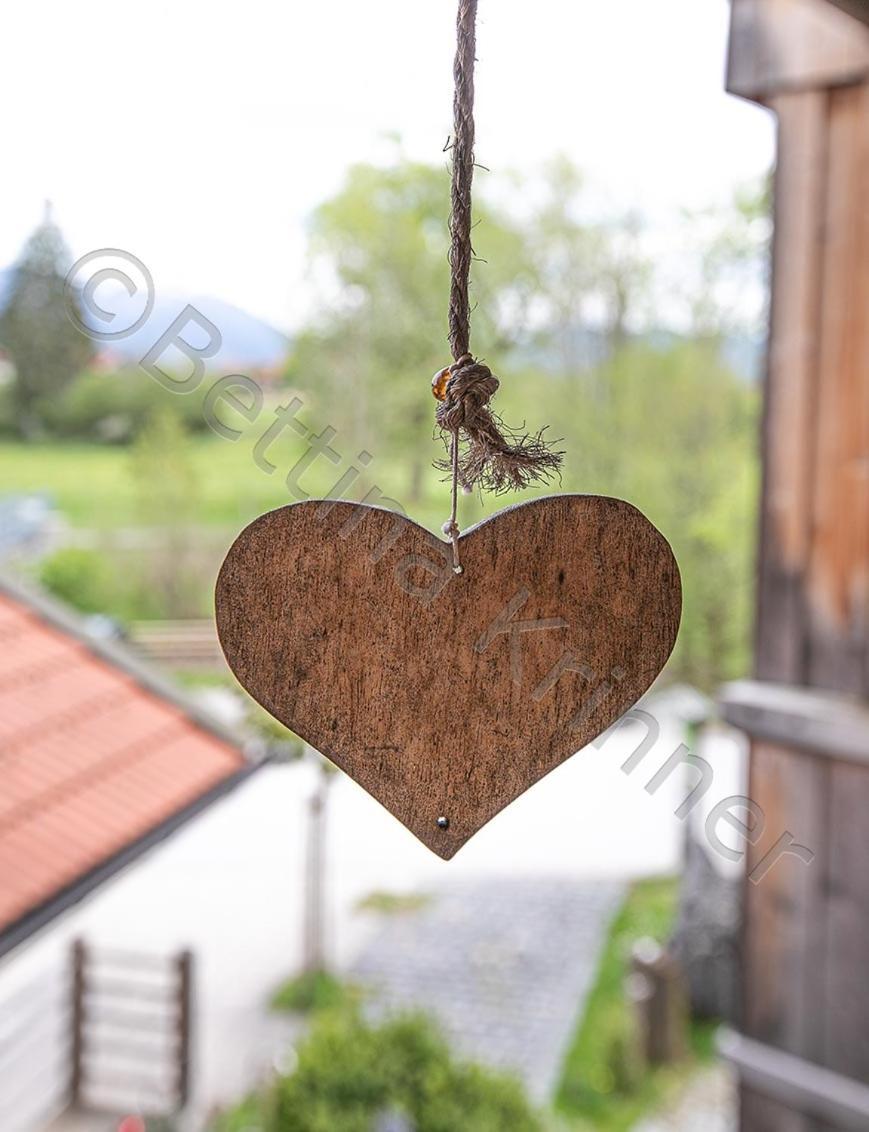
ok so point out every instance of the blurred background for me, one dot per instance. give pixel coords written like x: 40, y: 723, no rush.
x: 204, y: 926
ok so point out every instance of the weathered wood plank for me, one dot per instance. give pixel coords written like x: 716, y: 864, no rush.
x: 444, y: 695
x: 838, y: 576
x: 859, y: 9
x: 784, y: 939
x: 791, y: 393
x: 800, y: 1086
x: 789, y: 45
x: 845, y: 979
x: 830, y: 725
x: 760, y: 1113
x: 806, y: 935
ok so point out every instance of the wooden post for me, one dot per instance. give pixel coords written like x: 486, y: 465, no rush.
x: 78, y: 1019
x: 660, y: 999
x: 314, y: 954
x: 805, y: 1018
x: 184, y: 965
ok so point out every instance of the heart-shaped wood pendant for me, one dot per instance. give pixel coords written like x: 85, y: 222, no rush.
x: 447, y: 695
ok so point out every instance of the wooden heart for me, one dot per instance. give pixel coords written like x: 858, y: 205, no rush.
x: 443, y: 695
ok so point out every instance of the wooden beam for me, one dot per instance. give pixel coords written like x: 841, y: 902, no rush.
x: 787, y: 45
x: 837, y: 580
x: 791, y: 388
x: 184, y: 1024
x: 824, y: 723
x: 798, y: 1083
x: 78, y: 1021
x: 859, y: 9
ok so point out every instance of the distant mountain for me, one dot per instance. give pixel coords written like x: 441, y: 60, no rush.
x: 589, y: 346
x: 247, y: 343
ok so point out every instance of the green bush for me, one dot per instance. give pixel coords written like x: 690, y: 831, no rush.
x: 392, y: 903
x: 311, y: 992
x: 98, y: 582
x: 605, y: 1084
x: 349, y: 1072
x: 82, y: 578
x: 8, y: 423
x: 113, y: 407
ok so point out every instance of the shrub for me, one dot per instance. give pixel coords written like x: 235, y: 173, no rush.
x: 114, y: 407
x: 99, y: 582
x: 82, y: 578
x: 310, y: 992
x: 349, y: 1073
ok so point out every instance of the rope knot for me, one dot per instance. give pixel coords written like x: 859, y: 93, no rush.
x: 467, y: 391
x: 494, y: 457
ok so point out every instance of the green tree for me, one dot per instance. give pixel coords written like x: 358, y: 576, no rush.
x: 674, y: 433
x: 47, y: 350
x: 562, y: 300
x: 728, y: 258
x: 168, y: 504
x: 379, y: 253
x: 82, y: 578
x: 591, y: 275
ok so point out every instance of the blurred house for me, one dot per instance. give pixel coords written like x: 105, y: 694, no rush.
x: 100, y: 761
x: 30, y: 526
x: 247, y: 344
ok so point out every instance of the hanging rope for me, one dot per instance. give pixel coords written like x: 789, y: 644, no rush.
x: 462, y: 145
x: 482, y: 450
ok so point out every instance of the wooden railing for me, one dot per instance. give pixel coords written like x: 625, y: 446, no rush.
x: 178, y: 644
x: 131, y: 1031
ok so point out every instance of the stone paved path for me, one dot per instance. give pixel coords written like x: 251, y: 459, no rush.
x: 504, y: 964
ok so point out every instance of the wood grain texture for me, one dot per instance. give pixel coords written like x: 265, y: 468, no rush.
x: 791, y: 395
x: 837, y: 580
x: 449, y: 695
x: 784, y: 946
x: 846, y: 995
x: 806, y: 929
x: 793, y: 45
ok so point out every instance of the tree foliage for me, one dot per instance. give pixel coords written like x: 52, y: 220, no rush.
x: 167, y: 491
x: 47, y: 350
x: 80, y: 577
x: 565, y: 314
x: 672, y: 431
x: 379, y: 256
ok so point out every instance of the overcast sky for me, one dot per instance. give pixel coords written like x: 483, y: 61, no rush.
x: 199, y: 135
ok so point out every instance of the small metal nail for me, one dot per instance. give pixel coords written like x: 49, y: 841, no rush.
x: 443, y: 823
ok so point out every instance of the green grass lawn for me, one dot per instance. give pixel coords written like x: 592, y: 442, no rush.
x: 130, y: 567
x: 603, y: 1086
x: 93, y: 484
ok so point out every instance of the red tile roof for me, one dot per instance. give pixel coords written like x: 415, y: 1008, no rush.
x: 92, y: 758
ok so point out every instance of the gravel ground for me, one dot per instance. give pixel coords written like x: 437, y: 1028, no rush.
x: 707, y: 1105
x: 504, y: 964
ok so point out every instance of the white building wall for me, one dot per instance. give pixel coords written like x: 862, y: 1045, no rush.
x: 228, y: 886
